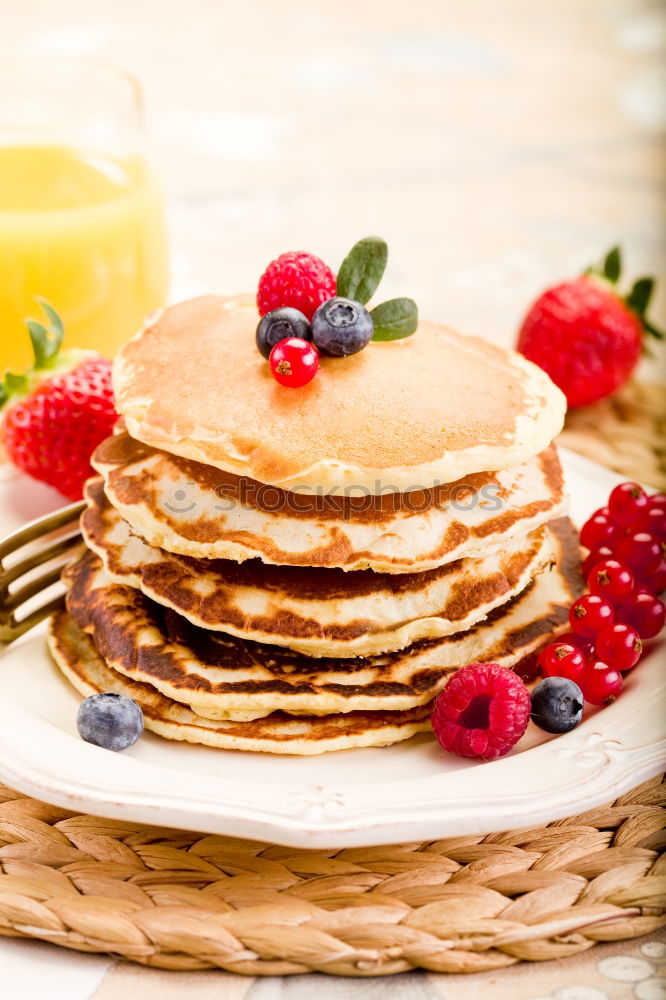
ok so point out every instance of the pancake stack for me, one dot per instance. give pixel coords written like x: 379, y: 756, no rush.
x: 301, y: 570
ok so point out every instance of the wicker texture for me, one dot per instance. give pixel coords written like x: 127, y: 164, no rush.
x: 180, y: 900
x: 626, y: 432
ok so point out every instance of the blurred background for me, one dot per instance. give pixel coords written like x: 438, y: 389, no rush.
x: 497, y: 145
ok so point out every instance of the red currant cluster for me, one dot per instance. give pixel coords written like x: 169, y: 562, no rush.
x: 625, y: 571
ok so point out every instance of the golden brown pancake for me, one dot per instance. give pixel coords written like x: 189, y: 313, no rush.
x: 396, y: 416
x: 221, y: 675
x: 76, y: 656
x: 196, y: 510
x: 321, y: 612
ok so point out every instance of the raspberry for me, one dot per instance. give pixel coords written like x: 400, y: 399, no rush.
x: 482, y: 712
x: 299, y: 280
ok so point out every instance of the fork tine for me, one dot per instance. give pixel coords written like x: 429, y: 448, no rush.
x: 55, y: 549
x: 61, y: 545
x: 39, y: 527
x: 13, y: 629
x: 19, y: 597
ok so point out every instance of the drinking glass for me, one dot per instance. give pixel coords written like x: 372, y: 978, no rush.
x: 81, y: 213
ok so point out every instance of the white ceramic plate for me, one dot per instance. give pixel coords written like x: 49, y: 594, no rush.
x: 410, y: 791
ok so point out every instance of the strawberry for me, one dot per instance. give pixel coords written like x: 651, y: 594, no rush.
x: 585, y: 335
x: 55, y: 415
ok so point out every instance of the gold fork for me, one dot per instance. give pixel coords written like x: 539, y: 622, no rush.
x: 38, y: 551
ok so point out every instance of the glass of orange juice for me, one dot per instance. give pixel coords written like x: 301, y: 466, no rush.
x: 81, y: 214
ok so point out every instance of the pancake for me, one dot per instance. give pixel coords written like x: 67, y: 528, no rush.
x: 321, y: 612
x: 194, y: 510
x: 223, y: 675
x: 75, y: 654
x: 396, y: 416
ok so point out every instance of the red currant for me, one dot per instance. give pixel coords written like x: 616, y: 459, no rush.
x: 656, y: 582
x: 601, y: 683
x: 619, y: 646
x: 641, y: 552
x: 599, y: 530
x: 527, y: 668
x: 612, y: 580
x: 294, y: 362
x: 658, y: 500
x: 603, y: 552
x: 645, y: 612
x: 586, y: 646
x: 653, y: 520
x: 589, y: 614
x: 561, y: 659
x: 626, y: 504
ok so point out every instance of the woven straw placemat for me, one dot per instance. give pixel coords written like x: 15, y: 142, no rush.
x: 181, y: 900
x: 178, y: 900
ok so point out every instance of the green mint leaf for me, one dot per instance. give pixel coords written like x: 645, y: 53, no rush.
x: 395, y: 319
x: 612, y: 266
x: 362, y: 269
x: 639, y: 297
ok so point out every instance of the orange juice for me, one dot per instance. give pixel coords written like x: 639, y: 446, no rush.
x: 86, y: 231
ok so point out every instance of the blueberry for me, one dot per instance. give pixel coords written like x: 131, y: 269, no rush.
x: 109, y: 720
x: 280, y: 324
x: 557, y: 705
x: 342, y: 326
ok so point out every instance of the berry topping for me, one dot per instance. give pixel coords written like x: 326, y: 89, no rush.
x: 54, y: 417
x: 298, y: 288
x: 602, y: 684
x: 294, y: 362
x: 589, y: 614
x: 341, y: 327
x: 626, y: 504
x: 557, y: 705
x: 562, y: 659
x: 612, y: 580
x: 641, y: 552
x: 110, y: 720
x: 619, y: 646
x: 299, y: 280
x: 586, y: 335
x: 599, y: 530
x: 482, y: 712
x: 279, y: 325
x: 645, y: 612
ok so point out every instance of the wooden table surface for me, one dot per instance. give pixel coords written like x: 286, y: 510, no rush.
x: 496, y: 146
